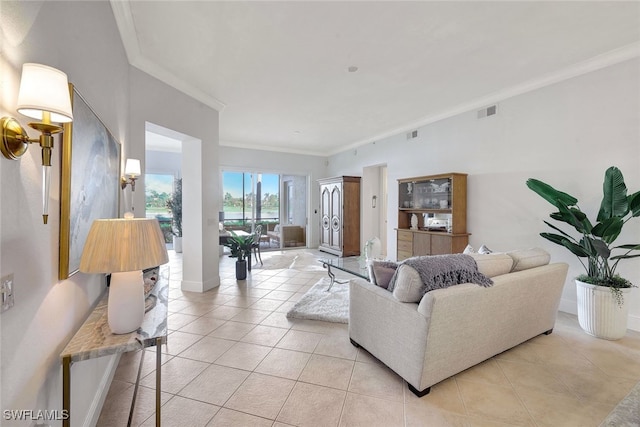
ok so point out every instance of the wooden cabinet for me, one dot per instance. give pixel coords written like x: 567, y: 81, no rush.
x: 340, y: 215
x: 437, y: 206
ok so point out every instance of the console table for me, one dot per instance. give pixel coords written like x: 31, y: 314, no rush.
x: 95, y: 339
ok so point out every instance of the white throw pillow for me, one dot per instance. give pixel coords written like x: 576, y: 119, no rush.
x: 469, y: 250
x: 408, y: 284
x: 484, y: 250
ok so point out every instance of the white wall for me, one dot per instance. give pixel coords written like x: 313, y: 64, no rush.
x: 313, y: 167
x: 85, y: 44
x: 196, y: 125
x: 566, y: 134
x: 80, y: 38
x: 163, y: 162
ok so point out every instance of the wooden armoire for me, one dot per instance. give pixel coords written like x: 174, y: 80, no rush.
x: 340, y: 215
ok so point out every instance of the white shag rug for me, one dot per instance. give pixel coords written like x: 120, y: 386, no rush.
x: 295, y: 260
x: 318, y: 304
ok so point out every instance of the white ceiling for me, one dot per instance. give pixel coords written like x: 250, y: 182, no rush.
x: 277, y: 71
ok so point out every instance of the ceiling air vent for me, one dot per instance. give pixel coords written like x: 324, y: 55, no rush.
x: 488, y: 111
x: 412, y: 134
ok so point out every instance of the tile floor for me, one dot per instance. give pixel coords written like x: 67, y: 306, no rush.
x: 234, y: 359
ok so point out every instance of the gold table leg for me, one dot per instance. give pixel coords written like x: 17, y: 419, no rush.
x: 66, y: 391
x: 158, y: 376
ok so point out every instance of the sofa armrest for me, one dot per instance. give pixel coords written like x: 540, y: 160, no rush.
x: 393, y: 331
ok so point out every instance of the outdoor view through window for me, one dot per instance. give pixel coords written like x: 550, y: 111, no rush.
x: 250, y: 197
x: 158, y: 189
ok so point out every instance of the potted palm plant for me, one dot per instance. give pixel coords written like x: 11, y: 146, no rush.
x: 240, y: 247
x: 174, y: 204
x: 602, y: 308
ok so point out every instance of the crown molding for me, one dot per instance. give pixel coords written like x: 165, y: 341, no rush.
x: 604, y: 60
x: 288, y: 150
x: 126, y: 27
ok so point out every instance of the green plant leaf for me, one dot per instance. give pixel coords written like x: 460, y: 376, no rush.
x: 614, y: 200
x: 609, y: 229
x: 558, y: 230
x: 550, y: 194
x: 563, y: 241
x: 625, y: 256
x: 634, y: 204
x: 575, y: 217
x: 631, y: 246
x: 599, y: 246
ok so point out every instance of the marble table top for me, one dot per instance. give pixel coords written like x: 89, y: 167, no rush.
x: 95, y: 339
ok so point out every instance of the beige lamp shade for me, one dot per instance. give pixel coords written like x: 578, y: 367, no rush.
x: 123, y: 244
x: 44, y: 89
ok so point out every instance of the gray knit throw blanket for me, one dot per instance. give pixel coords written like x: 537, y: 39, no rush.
x: 442, y: 271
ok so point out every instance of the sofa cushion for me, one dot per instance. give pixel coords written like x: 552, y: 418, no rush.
x: 525, y: 259
x: 492, y: 265
x: 408, y: 284
x: 383, y: 271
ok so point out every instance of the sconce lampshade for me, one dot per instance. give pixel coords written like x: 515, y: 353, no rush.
x: 132, y: 167
x: 44, y: 89
x: 124, y: 247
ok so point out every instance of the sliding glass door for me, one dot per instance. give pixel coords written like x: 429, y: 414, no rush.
x: 278, y: 202
x: 250, y: 198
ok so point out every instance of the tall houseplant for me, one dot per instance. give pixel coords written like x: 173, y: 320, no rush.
x: 240, y: 247
x: 174, y: 204
x: 594, y: 248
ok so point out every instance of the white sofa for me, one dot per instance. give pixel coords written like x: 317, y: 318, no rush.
x: 449, y: 330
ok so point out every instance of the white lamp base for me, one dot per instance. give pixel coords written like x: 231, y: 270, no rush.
x: 125, y: 310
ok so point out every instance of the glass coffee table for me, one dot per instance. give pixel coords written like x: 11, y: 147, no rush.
x: 352, y: 265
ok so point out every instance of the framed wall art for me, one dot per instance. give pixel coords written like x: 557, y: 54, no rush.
x: 90, y: 181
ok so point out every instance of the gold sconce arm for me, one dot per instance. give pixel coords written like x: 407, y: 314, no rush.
x: 15, y: 142
x: 124, y: 181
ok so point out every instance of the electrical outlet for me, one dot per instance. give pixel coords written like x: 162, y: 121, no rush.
x: 6, y: 292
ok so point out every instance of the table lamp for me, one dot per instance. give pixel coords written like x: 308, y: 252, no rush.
x: 124, y: 247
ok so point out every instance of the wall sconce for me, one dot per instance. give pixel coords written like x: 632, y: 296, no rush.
x: 131, y: 173
x: 124, y: 247
x: 43, y: 95
x: 374, y: 201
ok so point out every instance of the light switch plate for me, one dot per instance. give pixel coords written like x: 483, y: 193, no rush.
x: 6, y: 292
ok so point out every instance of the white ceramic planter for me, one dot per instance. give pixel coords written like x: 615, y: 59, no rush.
x: 598, y: 312
x: 177, y: 244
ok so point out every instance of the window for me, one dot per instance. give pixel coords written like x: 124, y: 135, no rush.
x: 158, y: 188
x: 250, y: 197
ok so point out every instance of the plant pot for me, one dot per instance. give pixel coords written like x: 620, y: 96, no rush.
x: 599, y: 314
x: 177, y: 244
x: 241, y: 270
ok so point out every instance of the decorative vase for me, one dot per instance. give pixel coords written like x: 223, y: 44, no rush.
x: 599, y: 314
x: 414, y: 222
x: 177, y: 244
x: 241, y: 270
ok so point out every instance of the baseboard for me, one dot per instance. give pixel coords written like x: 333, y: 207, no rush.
x: 634, y: 323
x: 192, y: 286
x: 93, y: 414
x: 569, y: 306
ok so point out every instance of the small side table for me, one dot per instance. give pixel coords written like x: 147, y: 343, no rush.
x: 95, y: 339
